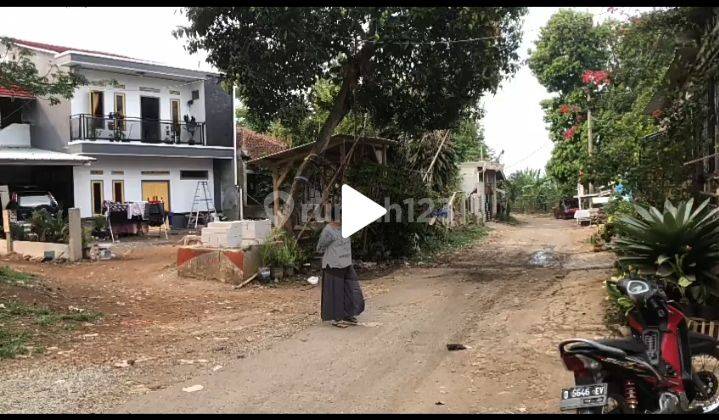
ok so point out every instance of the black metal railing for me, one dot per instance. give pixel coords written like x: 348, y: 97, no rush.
x: 130, y: 129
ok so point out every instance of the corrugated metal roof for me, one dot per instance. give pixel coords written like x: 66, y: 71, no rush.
x: 33, y: 155
x: 60, y: 49
x: 337, y: 137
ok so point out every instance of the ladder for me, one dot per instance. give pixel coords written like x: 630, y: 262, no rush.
x: 202, y: 197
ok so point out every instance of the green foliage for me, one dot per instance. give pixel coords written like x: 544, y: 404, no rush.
x: 636, y: 54
x: 444, y: 174
x: 16, y: 316
x: 531, y: 192
x: 99, y: 224
x: 12, y: 344
x: 12, y: 277
x: 468, y: 141
x: 49, y: 228
x: 568, y: 45
x: 398, y: 184
x: 17, y: 70
x: 679, y: 246
x: 620, y: 304
x: 281, y: 250
x: 409, y: 78
x: 445, y: 241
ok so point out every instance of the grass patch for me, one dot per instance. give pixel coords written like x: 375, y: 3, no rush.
x: 45, y: 316
x: 12, y: 344
x: 451, y: 241
x: 14, y: 278
x: 17, y: 315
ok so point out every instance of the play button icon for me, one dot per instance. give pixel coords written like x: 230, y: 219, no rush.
x: 357, y: 211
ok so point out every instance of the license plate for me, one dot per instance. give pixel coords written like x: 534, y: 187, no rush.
x: 583, y: 396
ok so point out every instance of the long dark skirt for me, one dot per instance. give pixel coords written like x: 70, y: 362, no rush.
x: 341, y: 294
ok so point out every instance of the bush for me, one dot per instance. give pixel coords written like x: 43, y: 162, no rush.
x: 679, y: 247
x: 49, y: 228
x: 281, y: 250
x: 399, y: 238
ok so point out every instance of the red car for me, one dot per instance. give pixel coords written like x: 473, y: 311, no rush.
x: 566, y: 208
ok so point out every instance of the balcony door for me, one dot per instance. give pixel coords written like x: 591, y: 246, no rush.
x: 150, y: 114
x: 97, y: 111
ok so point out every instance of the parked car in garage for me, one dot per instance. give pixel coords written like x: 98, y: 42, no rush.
x: 566, y: 208
x: 26, y: 201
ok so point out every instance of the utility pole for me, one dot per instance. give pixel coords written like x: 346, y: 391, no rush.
x: 590, y: 144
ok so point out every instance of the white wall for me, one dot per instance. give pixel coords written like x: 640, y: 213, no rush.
x: 469, y: 177
x: 80, y: 103
x: 181, y: 191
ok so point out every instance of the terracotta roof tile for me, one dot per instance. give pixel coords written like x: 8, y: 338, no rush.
x: 256, y: 145
x: 15, y: 93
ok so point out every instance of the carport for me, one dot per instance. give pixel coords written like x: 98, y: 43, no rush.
x: 44, y: 169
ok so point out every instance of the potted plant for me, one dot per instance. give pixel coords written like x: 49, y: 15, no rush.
x: 266, y: 255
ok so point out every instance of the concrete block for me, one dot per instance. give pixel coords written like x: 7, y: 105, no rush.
x: 228, y: 266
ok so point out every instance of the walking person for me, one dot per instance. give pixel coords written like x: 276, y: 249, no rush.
x: 342, y: 298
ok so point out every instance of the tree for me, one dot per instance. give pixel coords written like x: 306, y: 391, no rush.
x: 18, y: 71
x: 418, y: 69
x: 569, y: 49
x: 468, y: 139
x: 568, y: 45
x: 530, y: 191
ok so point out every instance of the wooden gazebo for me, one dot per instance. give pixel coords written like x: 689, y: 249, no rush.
x: 281, y: 164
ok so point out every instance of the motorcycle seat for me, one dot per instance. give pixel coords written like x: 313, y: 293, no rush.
x: 628, y: 345
x: 701, y: 343
x: 614, y: 347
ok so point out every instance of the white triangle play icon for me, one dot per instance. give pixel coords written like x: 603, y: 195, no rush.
x: 357, y: 211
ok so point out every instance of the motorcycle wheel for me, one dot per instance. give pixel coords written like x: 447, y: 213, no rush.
x: 706, y: 366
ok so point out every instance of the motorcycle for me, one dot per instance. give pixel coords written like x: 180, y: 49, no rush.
x: 662, y: 368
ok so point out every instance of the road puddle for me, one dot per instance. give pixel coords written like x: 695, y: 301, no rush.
x: 544, y: 258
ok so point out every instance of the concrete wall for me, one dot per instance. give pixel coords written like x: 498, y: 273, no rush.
x: 35, y: 249
x: 49, y: 124
x: 218, y: 114
x: 181, y: 191
x: 469, y: 178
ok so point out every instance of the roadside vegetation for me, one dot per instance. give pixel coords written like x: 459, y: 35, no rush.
x: 24, y: 326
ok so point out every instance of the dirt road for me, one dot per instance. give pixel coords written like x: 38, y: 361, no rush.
x: 510, y: 299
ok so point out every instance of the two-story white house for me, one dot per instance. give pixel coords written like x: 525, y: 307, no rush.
x: 137, y: 131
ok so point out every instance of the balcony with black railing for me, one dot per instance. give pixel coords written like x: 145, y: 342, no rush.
x: 130, y: 129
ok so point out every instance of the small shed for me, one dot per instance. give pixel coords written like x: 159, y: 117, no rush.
x: 280, y: 165
x: 479, y: 183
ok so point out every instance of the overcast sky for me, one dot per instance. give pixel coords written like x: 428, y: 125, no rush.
x: 513, y: 120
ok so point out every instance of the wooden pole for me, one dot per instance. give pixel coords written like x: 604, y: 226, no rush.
x: 590, y: 144
x: 434, y: 159
x: 276, y: 196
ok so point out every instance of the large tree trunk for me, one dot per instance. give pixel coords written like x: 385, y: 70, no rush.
x: 352, y: 73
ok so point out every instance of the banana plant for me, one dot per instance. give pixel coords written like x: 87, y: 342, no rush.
x: 679, y: 246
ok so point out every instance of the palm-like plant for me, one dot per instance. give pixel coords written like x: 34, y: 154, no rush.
x: 679, y: 246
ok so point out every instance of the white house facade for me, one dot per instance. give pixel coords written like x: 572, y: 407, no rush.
x: 147, y: 131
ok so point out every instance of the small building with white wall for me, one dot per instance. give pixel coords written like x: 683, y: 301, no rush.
x: 479, y: 181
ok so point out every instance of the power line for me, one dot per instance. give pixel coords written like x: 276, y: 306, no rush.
x: 528, y: 156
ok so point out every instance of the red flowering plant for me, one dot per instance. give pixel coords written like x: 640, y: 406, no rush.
x: 569, y: 134
x: 597, y: 78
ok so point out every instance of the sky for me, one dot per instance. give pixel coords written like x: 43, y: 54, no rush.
x: 513, y: 118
